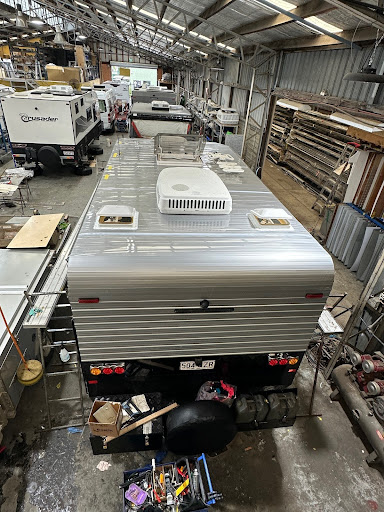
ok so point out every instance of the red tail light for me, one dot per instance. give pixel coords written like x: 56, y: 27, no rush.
x: 89, y: 301
x: 283, y: 362
x: 119, y: 370
x: 107, y: 371
x: 314, y: 295
x: 93, y: 381
x: 273, y: 362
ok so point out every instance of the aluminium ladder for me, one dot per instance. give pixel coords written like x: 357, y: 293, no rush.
x: 72, y: 367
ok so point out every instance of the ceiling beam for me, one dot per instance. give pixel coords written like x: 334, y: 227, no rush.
x: 307, y: 23
x: 163, y: 9
x: 362, y: 13
x: 311, y: 8
x: 299, y: 43
x: 213, y: 9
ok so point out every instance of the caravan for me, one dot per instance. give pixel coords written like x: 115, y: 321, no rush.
x: 106, y: 98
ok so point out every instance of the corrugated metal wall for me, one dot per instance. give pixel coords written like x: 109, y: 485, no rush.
x: 231, y: 72
x: 324, y: 70
x: 306, y: 71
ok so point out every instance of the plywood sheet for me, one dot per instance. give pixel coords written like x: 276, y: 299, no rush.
x: 37, y: 232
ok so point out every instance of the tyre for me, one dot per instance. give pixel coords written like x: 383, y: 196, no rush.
x: 204, y: 426
x: 48, y: 156
x: 83, y: 171
x: 97, y: 151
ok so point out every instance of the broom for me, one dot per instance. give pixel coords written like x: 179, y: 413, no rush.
x: 29, y: 372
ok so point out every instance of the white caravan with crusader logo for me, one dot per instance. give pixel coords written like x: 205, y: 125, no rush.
x: 51, y: 125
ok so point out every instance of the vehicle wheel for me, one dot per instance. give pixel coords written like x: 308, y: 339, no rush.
x: 203, y: 426
x: 97, y: 151
x: 49, y: 157
x: 83, y: 171
x: 37, y: 171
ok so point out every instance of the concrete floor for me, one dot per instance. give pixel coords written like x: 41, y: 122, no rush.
x: 317, y: 465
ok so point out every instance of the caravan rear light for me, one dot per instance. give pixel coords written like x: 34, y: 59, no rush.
x: 107, y: 370
x: 314, y: 295
x: 95, y: 370
x: 293, y: 360
x: 283, y: 362
x: 273, y: 362
x: 119, y: 370
x: 88, y: 301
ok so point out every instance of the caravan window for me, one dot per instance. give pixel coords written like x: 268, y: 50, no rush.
x: 89, y: 113
x: 102, y: 106
x: 76, y: 108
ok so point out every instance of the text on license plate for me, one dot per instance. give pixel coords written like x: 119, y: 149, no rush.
x: 191, y: 365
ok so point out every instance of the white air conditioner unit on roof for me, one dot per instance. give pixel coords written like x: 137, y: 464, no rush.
x: 192, y: 191
x: 65, y: 90
x: 160, y: 105
x: 228, y: 115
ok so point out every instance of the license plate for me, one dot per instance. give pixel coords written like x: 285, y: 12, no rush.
x: 191, y: 365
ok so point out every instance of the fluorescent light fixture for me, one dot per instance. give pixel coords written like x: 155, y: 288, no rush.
x: 324, y: 25
x: 3, y: 40
x: 81, y: 5
x: 293, y: 105
x: 288, y: 6
x: 367, y: 125
x: 13, y: 38
x: 82, y: 37
x: 200, y: 36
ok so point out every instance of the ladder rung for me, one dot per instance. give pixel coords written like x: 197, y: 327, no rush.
x: 61, y: 318
x: 63, y: 305
x: 65, y: 372
x: 65, y: 399
x: 58, y: 344
x: 62, y: 329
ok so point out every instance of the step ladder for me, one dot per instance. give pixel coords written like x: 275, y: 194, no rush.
x: 58, y: 339
x: 330, y: 184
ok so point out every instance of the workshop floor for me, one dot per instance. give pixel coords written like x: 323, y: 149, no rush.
x: 317, y: 465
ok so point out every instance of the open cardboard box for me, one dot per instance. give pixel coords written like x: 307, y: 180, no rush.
x: 105, y: 429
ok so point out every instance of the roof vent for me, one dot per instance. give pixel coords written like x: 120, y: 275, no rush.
x: 192, y: 191
x: 117, y: 216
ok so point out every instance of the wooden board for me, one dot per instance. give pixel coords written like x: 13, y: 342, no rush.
x: 138, y: 423
x: 376, y: 138
x: 36, y: 232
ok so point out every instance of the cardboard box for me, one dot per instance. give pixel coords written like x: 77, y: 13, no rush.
x: 61, y: 74
x: 105, y: 429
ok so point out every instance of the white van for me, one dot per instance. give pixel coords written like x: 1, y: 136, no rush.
x: 106, y: 98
